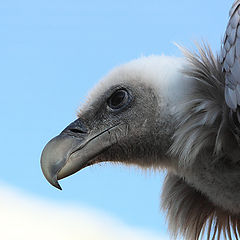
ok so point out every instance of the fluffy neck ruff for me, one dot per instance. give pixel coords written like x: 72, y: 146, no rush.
x: 202, y: 120
x: 192, y: 215
x: 202, y: 126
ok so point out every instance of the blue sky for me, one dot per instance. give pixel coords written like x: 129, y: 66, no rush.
x: 52, y: 53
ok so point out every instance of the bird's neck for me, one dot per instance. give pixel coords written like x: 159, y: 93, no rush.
x: 189, y: 212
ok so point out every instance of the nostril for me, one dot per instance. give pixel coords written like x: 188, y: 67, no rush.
x: 76, y: 130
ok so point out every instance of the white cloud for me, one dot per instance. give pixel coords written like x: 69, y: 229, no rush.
x: 26, y: 218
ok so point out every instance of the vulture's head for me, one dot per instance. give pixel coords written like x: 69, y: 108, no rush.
x: 127, y: 118
x: 180, y: 114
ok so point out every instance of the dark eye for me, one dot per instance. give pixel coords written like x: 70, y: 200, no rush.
x: 118, y: 99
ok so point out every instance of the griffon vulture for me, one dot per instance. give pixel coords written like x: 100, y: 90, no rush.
x: 180, y: 114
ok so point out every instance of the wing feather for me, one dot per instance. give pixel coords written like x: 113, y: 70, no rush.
x: 230, y: 58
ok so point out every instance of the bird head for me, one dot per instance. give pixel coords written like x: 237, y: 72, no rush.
x: 128, y: 118
x: 181, y: 114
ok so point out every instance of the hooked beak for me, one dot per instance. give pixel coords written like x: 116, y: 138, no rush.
x: 72, y: 150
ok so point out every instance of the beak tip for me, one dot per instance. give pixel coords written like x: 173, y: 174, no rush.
x: 58, y: 187
x: 56, y: 184
x: 50, y: 164
x: 54, y: 181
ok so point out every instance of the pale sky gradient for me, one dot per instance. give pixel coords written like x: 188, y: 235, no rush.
x: 52, y: 52
x: 24, y: 217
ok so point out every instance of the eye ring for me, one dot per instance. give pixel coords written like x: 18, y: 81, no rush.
x: 119, y: 99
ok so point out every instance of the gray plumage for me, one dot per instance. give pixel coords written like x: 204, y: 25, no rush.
x: 178, y: 114
x: 230, y: 60
x: 208, y: 155
x: 194, y: 216
x: 202, y: 108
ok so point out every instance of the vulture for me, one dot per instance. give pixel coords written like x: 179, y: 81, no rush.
x: 178, y: 114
